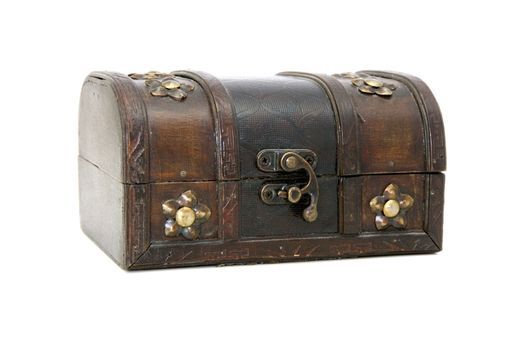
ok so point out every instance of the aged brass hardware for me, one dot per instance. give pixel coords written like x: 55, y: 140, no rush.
x: 290, y: 160
x: 367, y: 84
x: 165, y: 84
x: 390, y: 208
x: 184, y: 216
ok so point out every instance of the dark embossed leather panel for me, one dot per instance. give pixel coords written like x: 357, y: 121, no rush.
x: 282, y: 112
x: 260, y: 220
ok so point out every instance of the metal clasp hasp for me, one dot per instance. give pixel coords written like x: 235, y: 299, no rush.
x: 290, y: 160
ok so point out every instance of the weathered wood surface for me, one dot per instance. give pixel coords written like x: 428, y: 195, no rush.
x: 154, y: 148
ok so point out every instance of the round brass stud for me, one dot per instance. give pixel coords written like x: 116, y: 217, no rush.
x: 171, y: 84
x: 202, y: 212
x: 190, y: 233
x: 366, y: 89
x: 310, y: 214
x: 294, y: 194
x: 159, y: 91
x: 177, y: 94
x: 406, y: 201
x: 169, y: 208
x: 291, y: 162
x: 358, y: 81
x: 373, y: 82
x: 185, y: 217
x: 384, y: 91
x: 381, y: 222
x: 391, y: 208
x: 171, y: 229
x: 187, y: 87
x: 376, y: 204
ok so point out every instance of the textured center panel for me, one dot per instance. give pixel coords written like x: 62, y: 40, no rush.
x: 282, y: 112
x: 261, y: 220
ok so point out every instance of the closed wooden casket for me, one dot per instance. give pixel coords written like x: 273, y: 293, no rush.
x: 183, y: 169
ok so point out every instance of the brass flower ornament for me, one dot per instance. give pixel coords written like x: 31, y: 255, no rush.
x: 368, y: 84
x: 165, y: 84
x: 390, y: 208
x: 184, y: 216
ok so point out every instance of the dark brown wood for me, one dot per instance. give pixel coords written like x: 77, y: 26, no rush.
x: 391, y: 138
x: 436, y: 202
x: 182, y: 139
x: 229, y: 193
x: 431, y: 117
x: 226, y: 137
x: 292, y: 249
x: 139, y: 150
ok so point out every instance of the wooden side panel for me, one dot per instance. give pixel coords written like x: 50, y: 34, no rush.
x: 436, y: 202
x: 206, y: 193
x: 360, y: 190
x: 114, y: 165
x: 100, y: 127
x: 391, y: 133
x: 182, y: 141
x: 223, y: 111
x: 102, y: 210
x: 431, y: 118
x: 411, y: 184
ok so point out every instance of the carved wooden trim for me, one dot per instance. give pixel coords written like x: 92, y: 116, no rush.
x: 345, y: 117
x: 273, y: 250
x: 135, y: 162
x: 137, y: 198
x: 223, y: 112
x: 134, y: 126
x: 435, y: 148
x: 351, y: 199
x: 436, y: 201
x: 229, y: 193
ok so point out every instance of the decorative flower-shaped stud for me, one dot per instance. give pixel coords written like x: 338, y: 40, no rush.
x: 368, y: 84
x: 185, y: 215
x: 165, y: 84
x: 390, y: 208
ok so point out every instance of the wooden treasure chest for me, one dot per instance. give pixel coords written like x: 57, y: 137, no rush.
x: 183, y: 169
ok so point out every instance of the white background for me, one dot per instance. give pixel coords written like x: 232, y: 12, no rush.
x: 59, y: 291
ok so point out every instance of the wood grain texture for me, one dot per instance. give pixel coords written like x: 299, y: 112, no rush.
x: 137, y: 219
x: 430, y: 113
x: 133, y: 117
x: 436, y: 202
x: 223, y: 111
x: 102, y: 205
x: 292, y: 249
x: 159, y: 148
x: 123, y: 187
x: 351, y: 199
x: 182, y: 142
x: 390, y: 131
x: 229, y: 211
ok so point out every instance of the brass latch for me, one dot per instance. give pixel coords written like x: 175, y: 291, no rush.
x: 290, y: 160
